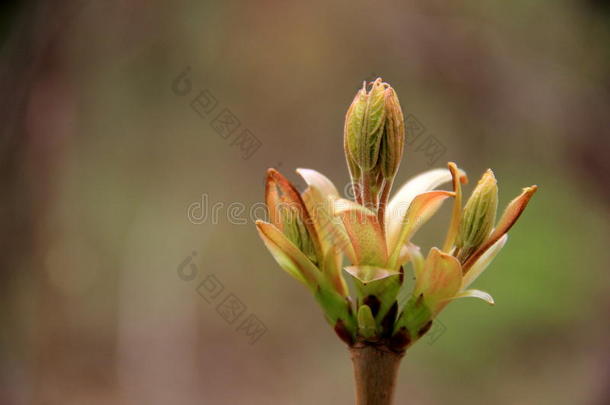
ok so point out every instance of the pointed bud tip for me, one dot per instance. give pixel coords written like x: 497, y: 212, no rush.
x: 527, y: 193
x: 488, y: 178
x: 271, y: 172
x: 261, y: 228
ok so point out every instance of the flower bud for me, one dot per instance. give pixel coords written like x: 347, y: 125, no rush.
x: 393, y: 140
x: 479, y: 216
x: 364, y: 124
x: 374, y: 137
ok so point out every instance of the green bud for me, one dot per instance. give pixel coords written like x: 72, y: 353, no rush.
x: 295, y: 230
x: 479, y: 216
x: 366, y: 322
x: 364, y: 124
x: 393, y: 140
x: 374, y: 136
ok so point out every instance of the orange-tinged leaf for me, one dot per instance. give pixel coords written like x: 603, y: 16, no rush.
x: 279, y: 191
x: 440, y: 280
x: 400, y: 202
x: 457, y: 206
x: 332, y: 270
x: 510, y: 216
x: 513, y: 211
x: 365, y: 233
x: 419, y: 212
x: 273, y: 200
x: 288, y: 256
x: 319, y: 199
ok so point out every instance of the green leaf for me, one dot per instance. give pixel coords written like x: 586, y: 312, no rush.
x: 415, y: 318
x: 288, y: 256
x: 381, y: 283
x: 336, y: 307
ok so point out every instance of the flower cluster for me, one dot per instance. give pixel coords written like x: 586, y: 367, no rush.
x: 310, y: 234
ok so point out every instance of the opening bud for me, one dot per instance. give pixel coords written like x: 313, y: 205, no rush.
x: 479, y: 216
x: 295, y: 230
x: 287, y: 212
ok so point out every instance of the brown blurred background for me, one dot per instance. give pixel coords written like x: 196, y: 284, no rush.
x: 109, y: 177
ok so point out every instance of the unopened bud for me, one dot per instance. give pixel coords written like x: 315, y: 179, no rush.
x: 479, y: 216
x: 366, y: 322
x: 295, y: 230
x: 393, y: 140
x: 374, y: 135
x: 364, y: 124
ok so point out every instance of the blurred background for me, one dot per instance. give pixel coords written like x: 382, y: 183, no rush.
x: 134, y: 141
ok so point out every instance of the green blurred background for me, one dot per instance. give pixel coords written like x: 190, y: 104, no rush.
x: 102, y: 156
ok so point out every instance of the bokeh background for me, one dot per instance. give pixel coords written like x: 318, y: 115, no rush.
x: 102, y: 155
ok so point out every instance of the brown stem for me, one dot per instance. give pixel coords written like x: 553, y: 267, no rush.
x: 375, y: 371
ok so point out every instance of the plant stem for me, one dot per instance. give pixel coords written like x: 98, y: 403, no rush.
x: 375, y: 371
x: 367, y: 197
x: 383, y: 201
